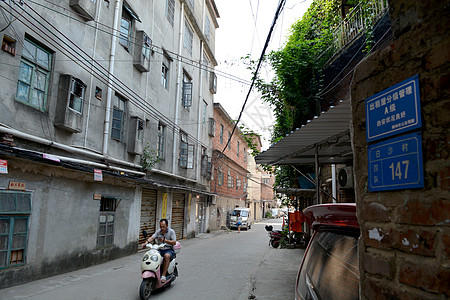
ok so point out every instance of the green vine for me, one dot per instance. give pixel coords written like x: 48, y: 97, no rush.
x: 149, y: 158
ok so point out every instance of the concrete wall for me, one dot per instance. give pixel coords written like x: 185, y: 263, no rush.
x: 62, y: 196
x: 404, y: 247
x: 63, y: 224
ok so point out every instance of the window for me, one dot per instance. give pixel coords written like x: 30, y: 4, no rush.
x: 164, y: 76
x: 229, y: 140
x: 238, y: 182
x: 140, y: 130
x: 186, y: 158
x: 205, y: 162
x: 230, y: 182
x: 34, y: 74
x: 186, y: 97
x: 77, y: 91
x: 125, y: 29
x: 220, y: 176
x: 205, y: 109
x: 188, y: 37
x: 161, y: 141
x: 170, y: 11
x: 205, y: 71
x: 9, y: 45
x: 221, y: 134
x: 118, y: 118
x: 98, y: 93
x: 244, y: 187
x: 245, y: 154
x: 106, y: 221
x: 207, y: 27
x: 15, y: 209
x: 265, y: 180
x: 237, y: 148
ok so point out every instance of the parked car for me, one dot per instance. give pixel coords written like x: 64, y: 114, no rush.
x: 329, y: 269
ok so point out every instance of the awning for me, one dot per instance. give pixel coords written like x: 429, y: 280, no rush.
x: 327, y: 134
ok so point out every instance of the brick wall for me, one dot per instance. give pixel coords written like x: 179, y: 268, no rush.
x: 404, y: 247
x: 231, y: 161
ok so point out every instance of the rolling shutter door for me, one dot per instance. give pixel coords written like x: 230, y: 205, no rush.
x: 178, y: 214
x: 148, y: 213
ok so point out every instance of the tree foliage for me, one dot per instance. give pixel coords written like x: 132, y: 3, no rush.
x: 293, y: 93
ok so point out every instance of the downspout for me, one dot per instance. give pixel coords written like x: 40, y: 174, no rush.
x: 317, y: 174
x: 333, y: 182
x: 110, y: 74
x: 178, y: 95
x: 92, y: 76
x: 200, y: 101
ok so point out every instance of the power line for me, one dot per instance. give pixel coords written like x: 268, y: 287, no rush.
x: 277, y: 13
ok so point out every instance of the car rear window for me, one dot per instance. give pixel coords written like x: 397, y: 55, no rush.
x: 330, y: 269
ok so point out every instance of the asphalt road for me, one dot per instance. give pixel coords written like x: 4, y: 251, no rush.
x: 220, y: 265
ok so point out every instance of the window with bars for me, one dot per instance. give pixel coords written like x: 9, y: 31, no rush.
x: 230, y: 182
x: 186, y: 97
x: 207, y: 27
x: 188, y: 40
x: 186, y: 158
x: 125, y: 29
x: 15, y: 209
x: 170, y: 11
x: 205, y: 110
x: 161, y: 140
x: 34, y: 75
x: 106, y: 220
x: 220, y: 176
x: 118, y: 118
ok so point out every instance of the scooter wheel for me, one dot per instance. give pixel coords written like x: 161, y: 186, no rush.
x: 146, y: 288
x: 274, y: 243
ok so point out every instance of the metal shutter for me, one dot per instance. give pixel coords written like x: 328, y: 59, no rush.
x: 148, y: 213
x: 178, y: 214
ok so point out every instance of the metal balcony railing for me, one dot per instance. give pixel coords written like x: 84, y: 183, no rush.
x: 357, y: 21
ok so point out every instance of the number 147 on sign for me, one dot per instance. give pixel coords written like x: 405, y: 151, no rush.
x: 396, y: 163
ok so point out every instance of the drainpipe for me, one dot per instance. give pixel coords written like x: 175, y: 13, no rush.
x: 110, y: 74
x: 178, y: 95
x: 70, y: 149
x: 200, y: 101
x: 92, y: 76
x: 317, y: 174
x: 333, y: 181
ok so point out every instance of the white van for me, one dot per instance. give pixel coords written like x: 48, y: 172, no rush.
x: 246, y: 216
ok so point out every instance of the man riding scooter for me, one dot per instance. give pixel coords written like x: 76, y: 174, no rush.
x: 164, y: 235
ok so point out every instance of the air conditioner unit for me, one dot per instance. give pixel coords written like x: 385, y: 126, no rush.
x: 142, y: 51
x: 212, y: 127
x: 69, y: 105
x: 345, y: 177
x: 135, y: 136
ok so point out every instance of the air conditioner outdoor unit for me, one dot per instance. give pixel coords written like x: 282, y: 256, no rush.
x: 212, y: 127
x: 345, y: 177
x: 142, y: 52
x: 212, y: 82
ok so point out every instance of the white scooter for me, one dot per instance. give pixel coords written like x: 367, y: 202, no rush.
x: 151, y: 269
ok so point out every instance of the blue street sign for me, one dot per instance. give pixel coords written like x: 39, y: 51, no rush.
x: 394, y: 110
x: 396, y: 163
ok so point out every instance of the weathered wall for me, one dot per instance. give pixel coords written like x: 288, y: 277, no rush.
x: 404, y: 248
x: 63, y: 224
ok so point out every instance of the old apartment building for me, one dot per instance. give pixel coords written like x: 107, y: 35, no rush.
x: 105, y: 115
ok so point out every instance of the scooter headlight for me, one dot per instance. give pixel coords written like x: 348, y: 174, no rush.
x: 154, y: 258
x: 145, y: 257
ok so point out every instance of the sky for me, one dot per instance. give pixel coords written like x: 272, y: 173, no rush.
x: 243, y: 28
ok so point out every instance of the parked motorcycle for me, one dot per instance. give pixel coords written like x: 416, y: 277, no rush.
x: 300, y: 239
x: 151, y: 269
